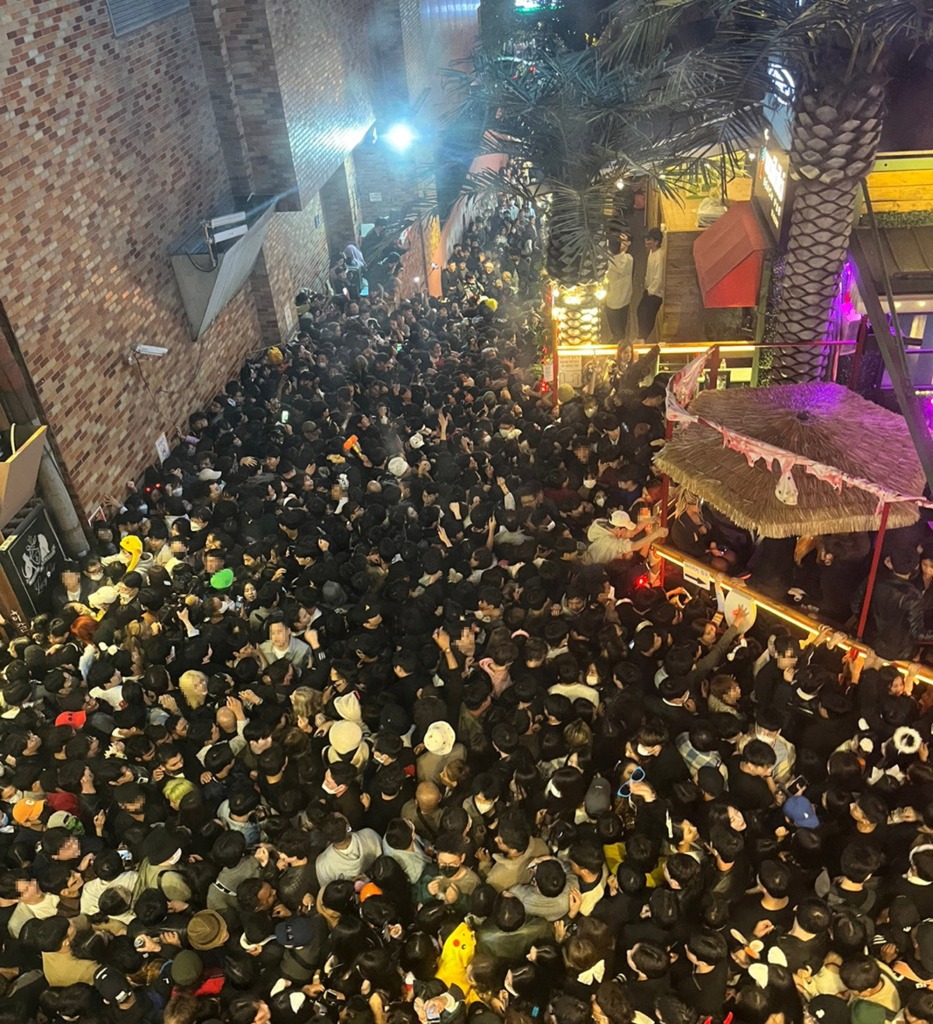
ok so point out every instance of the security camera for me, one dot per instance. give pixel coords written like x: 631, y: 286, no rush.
x: 156, y: 351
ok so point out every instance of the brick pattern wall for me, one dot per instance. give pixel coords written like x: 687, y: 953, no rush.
x: 306, y: 243
x: 218, y: 70
x: 245, y: 31
x: 324, y: 73
x: 294, y: 256
x: 111, y: 148
x: 419, y: 71
x: 338, y: 213
x: 353, y: 191
x: 108, y: 151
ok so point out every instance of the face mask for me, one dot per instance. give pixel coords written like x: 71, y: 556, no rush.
x: 175, y: 858
x: 197, y: 529
x: 589, y: 482
x: 95, y: 577
x: 327, y: 789
x: 449, y: 870
x: 644, y: 751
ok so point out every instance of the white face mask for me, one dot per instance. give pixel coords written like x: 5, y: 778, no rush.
x: 327, y: 789
x: 175, y: 857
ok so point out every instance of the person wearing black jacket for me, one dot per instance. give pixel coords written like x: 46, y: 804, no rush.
x: 894, y: 627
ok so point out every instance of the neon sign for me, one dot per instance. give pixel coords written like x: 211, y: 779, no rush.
x: 774, y: 181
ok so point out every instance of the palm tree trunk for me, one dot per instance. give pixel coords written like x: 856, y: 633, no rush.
x: 816, y: 248
x: 835, y: 138
x: 576, y: 229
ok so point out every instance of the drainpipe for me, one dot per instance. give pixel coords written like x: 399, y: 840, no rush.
x: 20, y: 404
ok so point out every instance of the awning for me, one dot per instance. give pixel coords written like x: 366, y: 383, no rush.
x: 729, y: 256
x: 907, y: 253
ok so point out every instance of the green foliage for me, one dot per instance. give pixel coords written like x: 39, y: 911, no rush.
x: 900, y: 219
x: 582, y: 125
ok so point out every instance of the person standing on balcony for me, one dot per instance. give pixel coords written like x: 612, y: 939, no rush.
x: 619, y: 285
x: 654, y: 284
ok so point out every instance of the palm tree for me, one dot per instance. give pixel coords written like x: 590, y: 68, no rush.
x: 834, y: 56
x: 581, y: 126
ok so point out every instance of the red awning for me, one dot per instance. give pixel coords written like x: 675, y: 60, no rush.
x: 729, y: 257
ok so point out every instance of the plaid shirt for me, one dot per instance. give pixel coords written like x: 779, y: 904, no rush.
x: 696, y: 759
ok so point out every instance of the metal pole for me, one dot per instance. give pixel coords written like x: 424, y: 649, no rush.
x: 873, y: 572
x: 714, y: 361
x: 860, y: 337
x: 665, y: 496
x: 892, y: 346
x: 555, y: 358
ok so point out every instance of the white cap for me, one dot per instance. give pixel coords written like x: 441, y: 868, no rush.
x: 621, y: 520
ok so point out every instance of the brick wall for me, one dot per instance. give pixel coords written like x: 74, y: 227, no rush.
x: 111, y: 148
x: 294, y: 256
x: 324, y: 73
x: 353, y: 190
x: 419, y: 71
x: 108, y: 151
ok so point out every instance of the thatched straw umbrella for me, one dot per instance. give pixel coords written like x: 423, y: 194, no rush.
x: 824, y: 422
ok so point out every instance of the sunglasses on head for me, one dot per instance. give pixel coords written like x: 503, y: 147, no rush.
x: 638, y: 775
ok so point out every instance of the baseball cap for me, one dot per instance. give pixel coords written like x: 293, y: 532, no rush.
x: 801, y: 812
x: 294, y: 932
x: 621, y: 520
x: 222, y: 580
x: 75, y: 719
x: 64, y: 819
x: 112, y: 986
x: 103, y: 597
x: 27, y: 810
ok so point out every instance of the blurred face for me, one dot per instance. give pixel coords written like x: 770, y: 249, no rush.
x: 279, y: 635
x: 27, y: 889
x: 70, y: 849
x: 786, y: 660
x: 71, y: 581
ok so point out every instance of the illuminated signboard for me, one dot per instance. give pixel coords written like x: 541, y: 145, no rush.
x: 774, y: 183
x: 536, y: 6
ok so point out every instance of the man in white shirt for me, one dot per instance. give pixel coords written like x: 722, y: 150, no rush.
x: 619, y: 285
x: 349, y: 854
x: 654, y: 284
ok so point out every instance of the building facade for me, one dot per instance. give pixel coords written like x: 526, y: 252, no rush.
x: 126, y: 124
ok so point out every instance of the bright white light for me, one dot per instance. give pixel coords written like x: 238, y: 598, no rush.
x: 400, y: 137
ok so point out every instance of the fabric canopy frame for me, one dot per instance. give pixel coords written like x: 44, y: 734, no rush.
x: 825, y: 424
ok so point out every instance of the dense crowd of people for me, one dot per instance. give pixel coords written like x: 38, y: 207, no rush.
x: 367, y: 709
